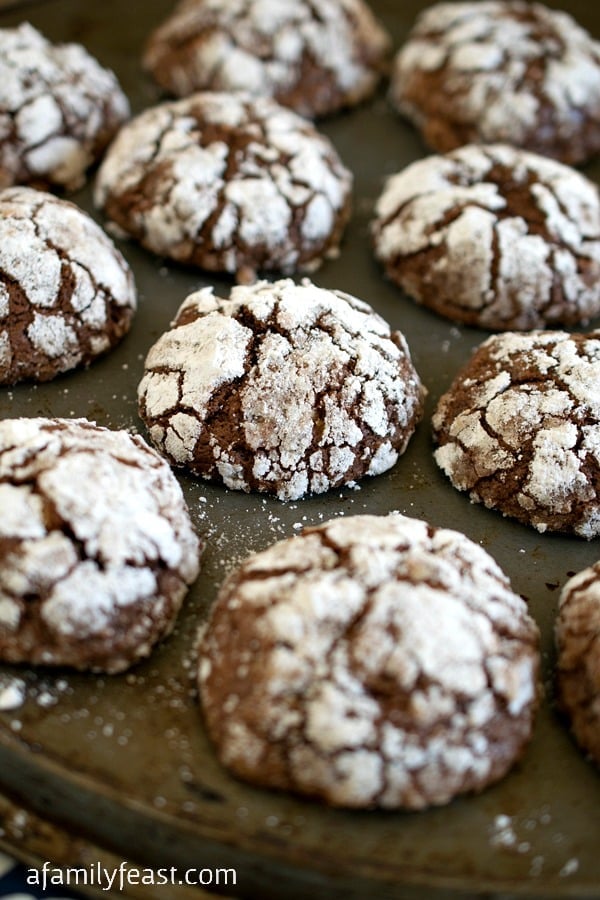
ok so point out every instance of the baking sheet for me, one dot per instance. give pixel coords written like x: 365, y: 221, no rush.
x: 124, y: 761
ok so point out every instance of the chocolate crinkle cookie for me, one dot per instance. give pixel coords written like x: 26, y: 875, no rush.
x: 58, y: 110
x: 501, y: 71
x: 227, y: 183
x: 519, y: 429
x: 96, y: 545
x: 578, y: 668
x: 67, y: 294
x: 493, y: 236
x: 282, y: 388
x: 370, y: 662
x: 315, y: 57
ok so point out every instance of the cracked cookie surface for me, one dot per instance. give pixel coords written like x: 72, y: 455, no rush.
x: 578, y: 665
x: 519, y: 429
x: 314, y: 57
x: 370, y: 661
x: 59, y: 109
x: 501, y: 71
x: 96, y: 545
x: 493, y: 236
x: 282, y: 388
x: 67, y: 294
x: 227, y: 183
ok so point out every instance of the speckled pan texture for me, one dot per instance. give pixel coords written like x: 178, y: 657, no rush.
x: 124, y: 762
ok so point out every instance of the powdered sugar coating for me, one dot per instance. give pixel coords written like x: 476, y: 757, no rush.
x: 282, y: 388
x: 493, y: 236
x: 371, y: 661
x: 227, y: 183
x: 519, y: 429
x: 58, y: 110
x: 66, y: 293
x: 96, y: 545
x: 501, y: 71
x: 578, y: 665
x: 313, y: 57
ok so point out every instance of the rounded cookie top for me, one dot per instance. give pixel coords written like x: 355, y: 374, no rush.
x: 578, y: 667
x: 66, y: 292
x: 501, y: 71
x: 96, y: 545
x: 227, y: 183
x: 58, y: 110
x: 371, y: 661
x: 519, y: 429
x: 313, y: 57
x: 282, y: 388
x: 493, y: 236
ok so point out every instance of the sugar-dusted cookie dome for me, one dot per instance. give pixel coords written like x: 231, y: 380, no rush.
x: 315, y: 58
x: 67, y: 294
x: 59, y: 109
x: 282, y: 388
x: 510, y: 71
x: 493, y: 236
x: 227, y: 183
x: 578, y: 664
x: 97, y: 548
x: 519, y: 429
x: 371, y: 661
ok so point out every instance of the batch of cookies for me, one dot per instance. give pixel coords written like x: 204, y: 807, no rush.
x: 372, y: 661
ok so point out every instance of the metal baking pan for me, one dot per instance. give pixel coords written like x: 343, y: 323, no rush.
x: 123, y: 764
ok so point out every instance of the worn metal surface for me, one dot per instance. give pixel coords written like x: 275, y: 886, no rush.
x: 125, y: 761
